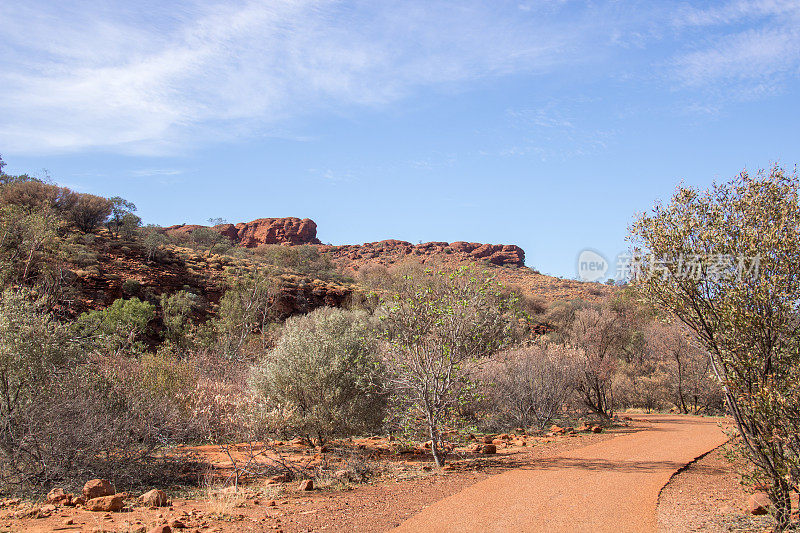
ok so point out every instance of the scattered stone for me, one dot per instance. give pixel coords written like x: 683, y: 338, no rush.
x: 97, y: 488
x: 58, y: 496
x: 487, y: 439
x: 177, y: 524
x: 597, y: 429
x: 489, y: 448
x: 306, y: 484
x: 759, y: 503
x: 68, y: 522
x: 154, y: 498
x: 105, y: 503
x: 161, y: 529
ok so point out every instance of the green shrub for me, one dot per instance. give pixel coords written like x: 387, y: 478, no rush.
x: 325, y: 375
x: 118, y: 326
x: 304, y: 259
x: 131, y: 287
x: 177, y: 311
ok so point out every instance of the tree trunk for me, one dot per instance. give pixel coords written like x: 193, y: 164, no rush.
x: 780, y: 495
x: 438, y: 456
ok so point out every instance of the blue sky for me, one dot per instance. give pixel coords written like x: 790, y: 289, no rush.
x: 546, y: 124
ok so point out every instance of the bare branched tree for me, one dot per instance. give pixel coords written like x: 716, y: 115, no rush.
x: 438, y: 324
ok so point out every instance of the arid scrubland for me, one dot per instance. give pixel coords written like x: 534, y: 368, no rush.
x: 135, y: 354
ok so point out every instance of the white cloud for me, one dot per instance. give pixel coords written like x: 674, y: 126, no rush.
x: 734, y: 11
x: 149, y: 81
x: 149, y: 172
x: 748, y: 49
x: 157, y: 78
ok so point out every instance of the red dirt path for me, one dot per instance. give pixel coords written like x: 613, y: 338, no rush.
x: 610, y: 486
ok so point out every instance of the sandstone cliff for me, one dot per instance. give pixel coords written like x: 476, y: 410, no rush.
x: 288, y: 230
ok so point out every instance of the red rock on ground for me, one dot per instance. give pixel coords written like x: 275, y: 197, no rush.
x: 105, y: 503
x: 759, y: 503
x: 154, y: 498
x: 96, y: 488
x: 58, y: 496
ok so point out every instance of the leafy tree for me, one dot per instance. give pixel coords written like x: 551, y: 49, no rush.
x: 153, y: 239
x: 724, y: 262
x: 207, y: 238
x: 120, y: 207
x: 29, y: 244
x: 325, y: 374
x: 89, y: 212
x: 437, y: 326
x: 129, y: 226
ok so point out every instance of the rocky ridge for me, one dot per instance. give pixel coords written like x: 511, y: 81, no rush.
x: 392, y: 251
x: 295, y: 231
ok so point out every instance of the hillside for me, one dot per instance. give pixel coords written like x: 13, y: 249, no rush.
x: 506, y: 261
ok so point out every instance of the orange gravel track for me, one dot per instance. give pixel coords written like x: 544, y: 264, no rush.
x: 610, y: 486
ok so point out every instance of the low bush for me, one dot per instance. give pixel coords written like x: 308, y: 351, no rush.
x: 529, y: 386
x: 325, y: 376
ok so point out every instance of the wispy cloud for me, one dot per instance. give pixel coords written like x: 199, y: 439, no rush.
x: 157, y: 78
x: 148, y: 172
x: 748, y: 50
x: 100, y: 76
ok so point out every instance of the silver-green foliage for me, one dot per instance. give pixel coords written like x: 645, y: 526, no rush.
x: 324, y: 375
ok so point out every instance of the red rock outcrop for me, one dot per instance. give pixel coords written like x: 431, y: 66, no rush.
x: 277, y: 231
x: 289, y: 230
x: 391, y: 251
